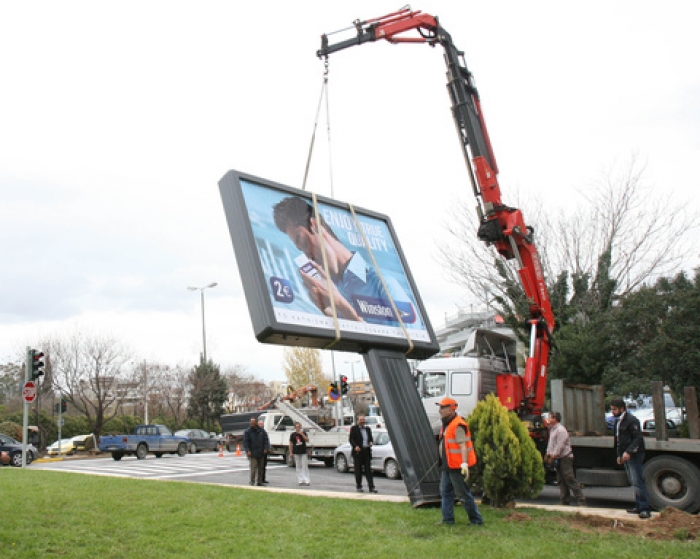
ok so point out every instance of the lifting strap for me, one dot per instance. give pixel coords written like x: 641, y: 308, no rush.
x: 331, y: 290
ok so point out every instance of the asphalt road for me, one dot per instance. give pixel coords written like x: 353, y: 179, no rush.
x: 209, y: 467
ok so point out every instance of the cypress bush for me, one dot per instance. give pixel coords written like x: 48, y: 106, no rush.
x: 508, y: 464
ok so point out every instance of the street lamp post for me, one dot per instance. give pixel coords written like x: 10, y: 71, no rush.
x: 204, y: 331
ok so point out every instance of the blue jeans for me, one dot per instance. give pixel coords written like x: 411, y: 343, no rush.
x: 633, y: 467
x: 451, y: 483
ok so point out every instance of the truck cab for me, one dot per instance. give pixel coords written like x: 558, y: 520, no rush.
x: 468, y: 377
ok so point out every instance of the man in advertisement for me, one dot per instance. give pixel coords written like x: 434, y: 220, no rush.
x: 357, y: 289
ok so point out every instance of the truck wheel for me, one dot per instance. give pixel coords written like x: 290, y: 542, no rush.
x: 158, y: 454
x: 116, y: 456
x: 391, y: 469
x: 672, y: 482
x: 193, y: 448
x: 341, y: 463
x: 141, y: 451
x: 181, y: 449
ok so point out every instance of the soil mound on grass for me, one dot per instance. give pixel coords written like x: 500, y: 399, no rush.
x: 670, y: 524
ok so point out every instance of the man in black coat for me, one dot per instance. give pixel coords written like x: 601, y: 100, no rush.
x: 629, y: 447
x: 361, y: 442
x: 257, y: 445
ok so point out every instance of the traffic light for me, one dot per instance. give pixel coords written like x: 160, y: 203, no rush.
x: 344, y: 384
x: 37, y: 364
x: 64, y: 405
x: 333, y: 392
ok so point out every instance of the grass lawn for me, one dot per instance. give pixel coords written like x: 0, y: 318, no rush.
x: 52, y: 514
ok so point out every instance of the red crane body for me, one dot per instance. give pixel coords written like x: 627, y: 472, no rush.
x: 501, y: 226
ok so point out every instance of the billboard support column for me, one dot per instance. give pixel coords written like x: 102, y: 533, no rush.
x: 409, y: 429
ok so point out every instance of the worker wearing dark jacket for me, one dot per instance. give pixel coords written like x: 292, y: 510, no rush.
x: 629, y: 448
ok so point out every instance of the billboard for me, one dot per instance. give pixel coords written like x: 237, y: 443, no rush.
x: 321, y: 273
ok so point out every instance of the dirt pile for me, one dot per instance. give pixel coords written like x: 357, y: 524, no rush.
x: 671, y: 524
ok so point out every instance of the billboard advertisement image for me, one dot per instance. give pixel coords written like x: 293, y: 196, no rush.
x: 322, y: 273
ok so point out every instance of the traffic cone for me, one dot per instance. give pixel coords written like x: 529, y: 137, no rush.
x: 221, y: 451
x: 238, y: 449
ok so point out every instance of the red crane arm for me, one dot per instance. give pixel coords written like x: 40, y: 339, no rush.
x: 500, y: 225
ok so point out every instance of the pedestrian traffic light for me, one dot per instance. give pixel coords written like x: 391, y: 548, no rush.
x: 37, y: 363
x: 64, y: 405
x: 344, y: 384
x: 333, y: 392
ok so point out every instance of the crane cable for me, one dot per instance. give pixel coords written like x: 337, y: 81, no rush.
x: 333, y: 309
x: 324, y: 94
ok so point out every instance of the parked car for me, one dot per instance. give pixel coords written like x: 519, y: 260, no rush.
x: 83, y: 442
x: 677, y: 415
x: 200, y: 440
x: 383, y: 456
x: 14, y: 449
x: 31, y: 449
x: 67, y: 448
x: 649, y: 428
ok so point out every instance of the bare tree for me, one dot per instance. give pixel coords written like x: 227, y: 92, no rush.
x: 169, y: 390
x: 88, y: 371
x: 246, y: 391
x: 645, y: 237
x: 302, y: 365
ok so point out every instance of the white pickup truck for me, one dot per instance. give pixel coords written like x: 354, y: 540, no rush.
x: 279, y: 424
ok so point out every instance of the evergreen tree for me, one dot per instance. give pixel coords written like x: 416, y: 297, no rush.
x: 508, y: 464
x: 208, y: 394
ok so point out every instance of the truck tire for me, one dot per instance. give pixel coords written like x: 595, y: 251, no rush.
x: 158, y: 454
x: 181, y: 449
x: 117, y: 456
x: 141, y: 451
x: 672, y: 481
x: 193, y: 448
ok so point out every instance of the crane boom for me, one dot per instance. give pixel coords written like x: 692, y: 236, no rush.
x: 500, y: 225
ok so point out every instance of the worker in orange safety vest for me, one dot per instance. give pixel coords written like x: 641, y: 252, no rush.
x: 456, y: 457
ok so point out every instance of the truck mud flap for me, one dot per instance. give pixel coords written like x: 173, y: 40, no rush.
x: 605, y: 478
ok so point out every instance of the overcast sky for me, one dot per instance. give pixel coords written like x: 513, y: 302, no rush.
x: 117, y: 121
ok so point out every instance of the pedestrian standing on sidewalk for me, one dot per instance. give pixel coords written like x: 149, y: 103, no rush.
x: 297, y: 447
x: 267, y: 455
x: 629, y: 448
x: 561, y: 456
x: 257, y: 445
x: 361, y: 442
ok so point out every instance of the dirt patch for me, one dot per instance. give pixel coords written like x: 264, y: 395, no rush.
x: 670, y: 524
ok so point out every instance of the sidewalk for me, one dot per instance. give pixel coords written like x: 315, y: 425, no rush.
x: 613, y: 514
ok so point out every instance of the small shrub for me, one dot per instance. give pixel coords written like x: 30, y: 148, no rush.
x: 11, y: 429
x: 509, y: 465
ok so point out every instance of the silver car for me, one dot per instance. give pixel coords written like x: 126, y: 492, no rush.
x: 383, y: 457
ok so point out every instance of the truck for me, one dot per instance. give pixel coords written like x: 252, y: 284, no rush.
x: 279, y: 424
x: 153, y: 439
x: 672, y: 471
x: 671, y: 465
x: 322, y: 415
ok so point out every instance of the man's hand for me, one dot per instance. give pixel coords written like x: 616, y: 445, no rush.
x: 321, y: 296
x: 465, y: 471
